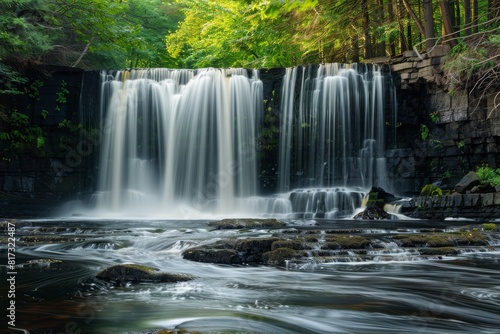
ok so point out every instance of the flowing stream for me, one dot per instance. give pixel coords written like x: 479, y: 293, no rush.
x: 391, y: 292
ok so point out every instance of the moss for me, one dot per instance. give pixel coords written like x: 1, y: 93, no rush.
x: 439, y: 251
x: 489, y: 226
x: 279, y: 256
x: 419, y: 240
x: 246, y: 223
x: 292, y: 244
x: 346, y: 242
x: 122, y: 273
x: 431, y: 190
x: 470, y: 238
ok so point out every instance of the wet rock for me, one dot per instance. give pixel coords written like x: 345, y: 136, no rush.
x: 134, y: 273
x: 246, y: 223
x: 231, y: 252
x: 467, y: 182
x: 31, y: 240
x: 423, y: 240
x: 292, y: 244
x: 439, y: 251
x: 213, y: 255
x: 278, y: 257
x: 346, y: 242
x: 372, y: 213
x: 382, y: 196
x: 376, y: 199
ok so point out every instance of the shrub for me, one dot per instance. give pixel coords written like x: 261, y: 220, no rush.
x: 488, y: 175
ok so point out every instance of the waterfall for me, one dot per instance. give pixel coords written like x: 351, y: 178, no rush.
x: 177, y: 140
x: 184, y: 143
x: 332, y: 135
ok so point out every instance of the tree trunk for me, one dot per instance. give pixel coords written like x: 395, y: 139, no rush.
x: 414, y: 17
x: 402, y: 38
x: 429, y: 24
x: 390, y: 13
x: 475, y: 14
x: 467, y: 17
x: 447, y: 22
x: 381, y: 18
x: 366, y: 29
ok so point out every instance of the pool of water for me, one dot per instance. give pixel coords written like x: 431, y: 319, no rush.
x: 458, y: 294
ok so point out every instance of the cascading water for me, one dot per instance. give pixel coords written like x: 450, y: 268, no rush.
x: 332, y: 135
x: 183, y: 143
x: 178, y: 140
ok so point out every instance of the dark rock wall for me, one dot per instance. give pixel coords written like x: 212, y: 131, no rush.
x: 442, y: 134
x: 63, y: 168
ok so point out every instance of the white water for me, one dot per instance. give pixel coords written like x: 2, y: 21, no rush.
x: 337, y: 125
x: 178, y: 142
x: 183, y: 143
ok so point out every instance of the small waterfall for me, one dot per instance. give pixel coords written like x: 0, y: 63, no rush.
x: 177, y: 139
x: 332, y: 134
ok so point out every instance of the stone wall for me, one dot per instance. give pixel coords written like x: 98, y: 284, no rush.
x: 62, y: 169
x: 472, y: 206
x: 442, y: 134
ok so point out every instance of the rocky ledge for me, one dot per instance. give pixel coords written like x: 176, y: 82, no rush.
x: 295, y: 246
x: 470, y: 198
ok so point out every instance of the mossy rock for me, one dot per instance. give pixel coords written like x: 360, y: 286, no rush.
x: 489, y: 226
x: 47, y: 265
x: 470, y: 238
x: 279, y: 256
x: 346, y: 242
x: 292, y: 244
x: 246, y: 223
x: 48, y: 239
x: 213, y: 255
x: 431, y: 190
x: 420, y: 240
x: 439, y: 251
x: 135, y: 273
x: 255, y: 245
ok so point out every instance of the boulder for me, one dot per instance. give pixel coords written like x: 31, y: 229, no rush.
x: 467, y: 182
x: 372, y: 213
x: 124, y: 273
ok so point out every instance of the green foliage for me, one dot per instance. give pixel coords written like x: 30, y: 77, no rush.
x: 19, y: 137
x: 431, y: 190
x: 424, y: 131
x: 10, y: 80
x: 434, y: 116
x: 488, y: 175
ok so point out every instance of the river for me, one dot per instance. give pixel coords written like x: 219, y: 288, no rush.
x: 394, y: 293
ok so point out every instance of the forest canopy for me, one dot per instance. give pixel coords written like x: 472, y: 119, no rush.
x: 97, y: 34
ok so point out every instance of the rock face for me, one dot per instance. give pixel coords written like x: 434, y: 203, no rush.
x: 134, y: 273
